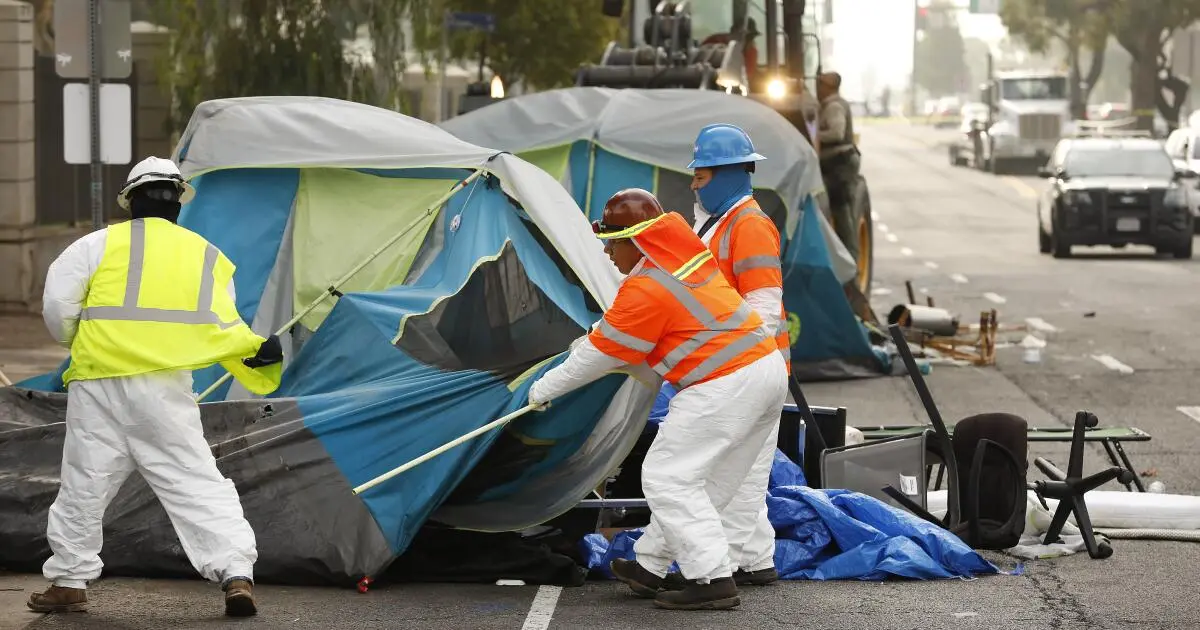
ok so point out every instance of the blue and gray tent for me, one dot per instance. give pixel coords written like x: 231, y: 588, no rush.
x: 596, y: 141
x: 440, y: 334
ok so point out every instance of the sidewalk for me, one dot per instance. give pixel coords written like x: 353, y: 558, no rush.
x: 15, y: 589
x: 26, y: 349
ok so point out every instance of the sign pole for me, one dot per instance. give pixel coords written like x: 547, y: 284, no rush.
x: 94, y: 70
x: 443, y: 52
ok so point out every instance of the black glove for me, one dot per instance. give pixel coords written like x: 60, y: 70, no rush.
x: 269, y: 353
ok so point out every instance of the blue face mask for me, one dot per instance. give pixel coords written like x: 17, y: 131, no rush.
x: 727, y: 186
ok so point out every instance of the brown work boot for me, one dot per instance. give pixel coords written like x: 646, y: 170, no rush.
x: 239, y: 601
x: 641, y: 581
x: 58, y: 599
x: 719, y: 594
x: 762, y: 577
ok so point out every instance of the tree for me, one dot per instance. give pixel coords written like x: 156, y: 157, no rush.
x: 1144, y: 28
x: 540, y: 42
x: 940, y: 57
x: 1072, y: 24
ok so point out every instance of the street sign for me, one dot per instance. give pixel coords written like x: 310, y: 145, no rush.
x: 985, y: 6
x: 461, y: 21
x: 116, y: 124
x: 71, y: 39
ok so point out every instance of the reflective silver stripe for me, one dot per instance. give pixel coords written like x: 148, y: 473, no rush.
x: 723, y: 356
x: 130, y: 311
x: 693, y: 306
x: 756, y: 262
x: 786, y: 351
x: 723, y: 248
x: 624, y: 339
x: 137, y: 255
x: 684, y: 350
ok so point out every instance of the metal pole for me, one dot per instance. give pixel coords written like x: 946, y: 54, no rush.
x: 912, y: 80
x: 442, y: 54
x: 94, y: 70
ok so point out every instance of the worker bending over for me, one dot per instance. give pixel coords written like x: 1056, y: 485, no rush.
x: 745, y: 244
x: 676, y: 313
x: 839, y: 157
x: 141, y: 304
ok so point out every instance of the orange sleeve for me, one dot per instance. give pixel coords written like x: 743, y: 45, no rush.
x: 632, y: 327
x: 754, y: 250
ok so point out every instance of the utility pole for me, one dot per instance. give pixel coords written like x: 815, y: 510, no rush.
x: 912, y: 79
x: 94, y: 71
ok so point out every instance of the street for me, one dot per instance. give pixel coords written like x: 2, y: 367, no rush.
x: 1116, y: 324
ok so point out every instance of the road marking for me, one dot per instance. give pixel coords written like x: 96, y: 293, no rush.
x: 931, y: 264
x: 1191, y: 412
x: 881, y: 291
x: 541, y: 611
x: 874, y: 216
x: 883, y: 227
x: 959, y: 278
x: 1037, y: 323
x: 993, y: 297
x: 1109, y: 362
x: 1023, y: 189
x: 891, y: 237
x: 904, y: 251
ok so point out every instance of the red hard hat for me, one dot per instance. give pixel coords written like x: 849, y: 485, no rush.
x: 626, y: 209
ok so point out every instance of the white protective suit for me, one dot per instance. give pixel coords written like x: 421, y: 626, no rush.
x: 749, y: 531
x: 701, y: 474
x: 149, y: 423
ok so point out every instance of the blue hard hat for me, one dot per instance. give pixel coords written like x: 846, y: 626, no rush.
x: 721, y: 144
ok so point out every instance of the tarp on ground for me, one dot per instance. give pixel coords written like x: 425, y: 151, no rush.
x: 836, y: 535
x: 596, y: 141
x: 442, y: 333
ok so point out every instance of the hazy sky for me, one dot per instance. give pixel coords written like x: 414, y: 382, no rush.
x: 872, y: 41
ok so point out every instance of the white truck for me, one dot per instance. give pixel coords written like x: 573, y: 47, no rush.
x: 1029, y: 111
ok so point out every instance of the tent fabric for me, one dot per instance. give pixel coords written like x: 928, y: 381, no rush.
x: 442, y: 334
x: 835, y: 535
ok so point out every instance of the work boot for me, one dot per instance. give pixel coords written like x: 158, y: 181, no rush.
x: 719, y: 594
x: 762, y: 577
x: 239, y: 601
x: 58, y: 599
x: 641, y: 581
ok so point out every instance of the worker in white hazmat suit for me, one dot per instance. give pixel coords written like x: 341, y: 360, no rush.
x: 141, y: 304
x: 676, y: 313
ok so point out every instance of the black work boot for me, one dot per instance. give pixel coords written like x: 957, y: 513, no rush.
x: 762, y: 577
x: 239, y: 600
x: 641, y: 581
x: 719, y: 594
x: 58, y: 599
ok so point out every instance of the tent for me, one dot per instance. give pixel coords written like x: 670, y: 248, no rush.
x: 596, y: 141
x: 444, y: 331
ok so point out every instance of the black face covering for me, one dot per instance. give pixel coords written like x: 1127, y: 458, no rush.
x: 155, y: 199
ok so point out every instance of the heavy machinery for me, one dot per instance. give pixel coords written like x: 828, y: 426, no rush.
x: 703, y: 44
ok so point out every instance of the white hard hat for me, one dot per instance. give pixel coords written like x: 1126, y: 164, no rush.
x: 155, y: 169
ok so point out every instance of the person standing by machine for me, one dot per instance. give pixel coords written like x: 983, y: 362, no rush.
x: 839, y: 156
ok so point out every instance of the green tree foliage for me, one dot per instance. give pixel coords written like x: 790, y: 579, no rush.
x: 941, y: 67
x: 540, y: 42
x: 232, y: 48
x: 1070, y: 25
x: 1144, y: 28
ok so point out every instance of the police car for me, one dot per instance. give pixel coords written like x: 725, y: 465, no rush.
x: 1115, y: 190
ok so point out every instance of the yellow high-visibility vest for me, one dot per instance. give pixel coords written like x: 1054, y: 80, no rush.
x: 159, y: 302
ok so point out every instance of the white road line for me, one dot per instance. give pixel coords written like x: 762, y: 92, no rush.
x: 1109, y: 362
x: 931, y: 264
x: 959, y: 278
x: 904, y: 251
x: 1023, y: 189
x: 1037, y: 323
x: 883, y: 227
x: 541, y: 611
x: 891, y: 237
x: 993, y: 297
x: 1191, y: 412
x: 881, y: 291
x: 874, y: 216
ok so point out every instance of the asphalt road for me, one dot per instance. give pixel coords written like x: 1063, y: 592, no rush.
x: 1119, y: 343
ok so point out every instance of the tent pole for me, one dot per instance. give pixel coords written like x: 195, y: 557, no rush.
x: 333, y: 288
x: 4, y: 379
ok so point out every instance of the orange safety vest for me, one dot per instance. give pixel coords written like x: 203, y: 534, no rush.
x: 677, y: 313
x: 746, y: 245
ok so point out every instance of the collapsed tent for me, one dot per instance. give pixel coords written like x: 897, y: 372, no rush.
x: 596, y: 141
x: 444, y: 331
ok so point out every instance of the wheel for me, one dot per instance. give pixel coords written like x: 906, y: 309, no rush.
x: 1057, y: 246
x: 864, y: 231
x: 998, y: 167
x: 1044, y: 244
x: 1184, y: 251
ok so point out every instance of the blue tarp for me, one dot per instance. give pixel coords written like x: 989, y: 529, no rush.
x: 835, y: 535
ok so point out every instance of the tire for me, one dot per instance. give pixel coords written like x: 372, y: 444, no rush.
x: 1058, y: 248
x: 998, y: 167
x: 864, y: 230
x: 1044, y: 244
x: 1184, y: 251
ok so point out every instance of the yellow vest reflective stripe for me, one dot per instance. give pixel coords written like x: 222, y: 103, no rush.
x: 158, y: 302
